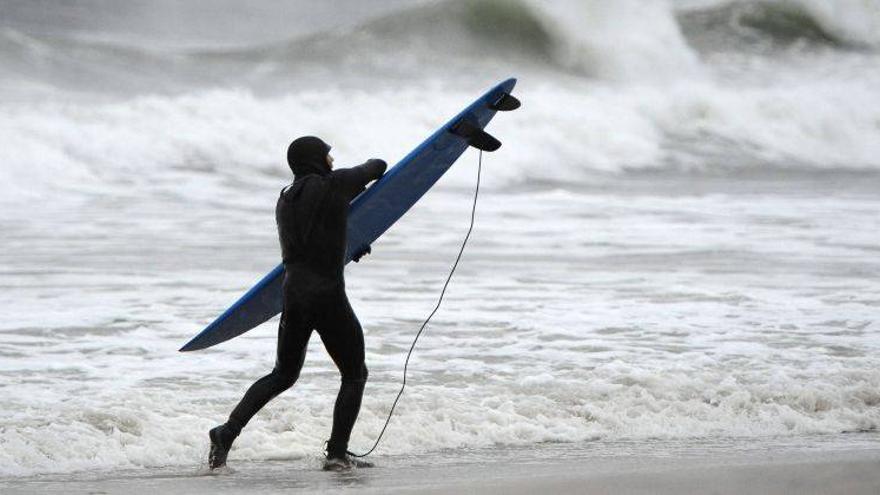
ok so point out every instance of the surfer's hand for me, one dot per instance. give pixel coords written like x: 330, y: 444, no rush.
x: 377, y: 168
x: 363, y: 253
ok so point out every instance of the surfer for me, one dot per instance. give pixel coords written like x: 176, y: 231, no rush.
x: 312, y: 215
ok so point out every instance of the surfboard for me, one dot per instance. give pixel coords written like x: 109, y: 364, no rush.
x: 375, y: 210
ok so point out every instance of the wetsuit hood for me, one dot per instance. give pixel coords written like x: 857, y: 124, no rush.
x: 308, y: 155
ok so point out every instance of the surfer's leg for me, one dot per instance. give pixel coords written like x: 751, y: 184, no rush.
x: 293, y: 338
x: 344, y: 339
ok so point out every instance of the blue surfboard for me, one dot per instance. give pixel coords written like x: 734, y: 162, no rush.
x: 376, y: 209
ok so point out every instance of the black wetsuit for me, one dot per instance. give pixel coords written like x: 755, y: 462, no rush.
x: 312, y: 217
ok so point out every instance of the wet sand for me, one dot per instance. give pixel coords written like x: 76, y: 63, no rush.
x: 549, y: 469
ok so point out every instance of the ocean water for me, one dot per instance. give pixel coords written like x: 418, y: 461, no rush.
x: 677, y: 241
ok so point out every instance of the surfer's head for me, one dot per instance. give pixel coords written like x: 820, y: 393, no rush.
x: 309, y: 155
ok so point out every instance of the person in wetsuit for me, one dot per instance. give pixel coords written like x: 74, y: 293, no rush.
x: 312, y: 215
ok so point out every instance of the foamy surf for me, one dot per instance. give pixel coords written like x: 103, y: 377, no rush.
x: 678, y: 240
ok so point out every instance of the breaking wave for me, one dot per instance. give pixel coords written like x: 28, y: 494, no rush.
x: 608, y: 87
x: 231, y: 138
x: 624, y: 40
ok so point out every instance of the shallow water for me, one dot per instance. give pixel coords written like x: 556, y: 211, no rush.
x: 826, y: 464
x: 637, y: 309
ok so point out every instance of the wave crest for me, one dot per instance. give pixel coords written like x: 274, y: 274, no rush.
x: 840, y: 23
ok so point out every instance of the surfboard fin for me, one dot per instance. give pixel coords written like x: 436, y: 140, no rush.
x: 506, y: 103
x: 475, y: 136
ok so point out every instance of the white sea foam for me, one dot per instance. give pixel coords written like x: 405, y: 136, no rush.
x: 228, y: 137
x: 573, y: 317
x: 624, y: 40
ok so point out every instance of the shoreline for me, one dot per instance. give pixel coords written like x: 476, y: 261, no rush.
x: 839, y: 464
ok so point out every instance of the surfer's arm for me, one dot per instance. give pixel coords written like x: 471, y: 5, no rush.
x: 352, y: 181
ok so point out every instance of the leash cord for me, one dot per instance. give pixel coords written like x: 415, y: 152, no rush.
x: 436, y: 307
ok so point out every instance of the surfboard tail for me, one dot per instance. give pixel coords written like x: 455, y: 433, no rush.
x: 474, y: 134
x: 475, y: 137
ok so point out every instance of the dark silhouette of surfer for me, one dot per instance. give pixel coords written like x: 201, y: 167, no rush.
x: 312, y: 215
